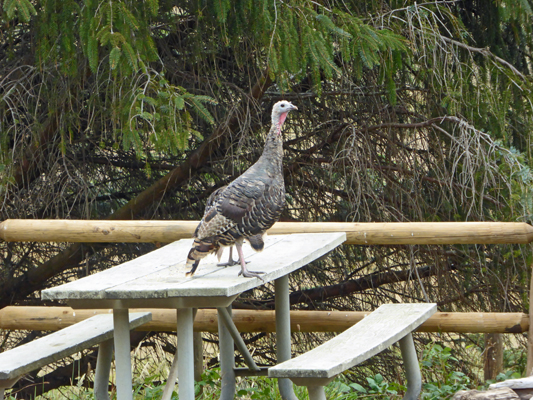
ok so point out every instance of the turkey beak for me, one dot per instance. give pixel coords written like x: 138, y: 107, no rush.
x: 294, y: 108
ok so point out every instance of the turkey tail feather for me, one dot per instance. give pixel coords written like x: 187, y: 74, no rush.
x: 199, y: 250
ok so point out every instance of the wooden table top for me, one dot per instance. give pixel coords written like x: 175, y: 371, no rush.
x: 158, y: 279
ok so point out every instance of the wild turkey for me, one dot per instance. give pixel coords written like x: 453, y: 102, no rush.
x: 249, y: 205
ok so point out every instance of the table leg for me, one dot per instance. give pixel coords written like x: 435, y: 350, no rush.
x: 227, y: 361
x: 185, y: 354
x: 174, y: 368
x: 103, y: 369
x: 412, y: 368
x: 316, y: 392
x: 283, y: 333
x: 121, y: 325
x: 171, y: 379
x: 225, y: 317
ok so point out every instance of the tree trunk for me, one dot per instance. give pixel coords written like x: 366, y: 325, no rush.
x: 493, y: 356
x: 529, y: 367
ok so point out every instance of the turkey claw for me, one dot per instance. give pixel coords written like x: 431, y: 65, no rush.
x: 251, y: 274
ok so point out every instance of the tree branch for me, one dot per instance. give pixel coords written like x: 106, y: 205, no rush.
x: 371, y: 281
x: 16, y: 288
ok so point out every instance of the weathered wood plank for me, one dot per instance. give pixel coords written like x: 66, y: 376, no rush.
x: 520, y: 383
x: 363, y: 233
x: 497, y: 394
x: 382, y: 328
x: 161, y: 273
x: 60, y: 344
x: 94, y: 286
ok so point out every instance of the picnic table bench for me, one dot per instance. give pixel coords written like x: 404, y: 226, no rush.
x: 21, y: 360
x: 389, y: 324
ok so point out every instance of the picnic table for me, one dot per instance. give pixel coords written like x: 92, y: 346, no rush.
x: 158, y: 280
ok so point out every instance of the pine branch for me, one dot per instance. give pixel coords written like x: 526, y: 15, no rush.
x: 31, y: 165
x: 17, y: 288
x: 371, y: 281
x: 487, y: 53
x: 196, y: 160
x: 126, y: 164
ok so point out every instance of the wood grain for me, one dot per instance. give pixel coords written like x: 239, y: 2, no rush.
x: 372, y: 233
x: 381, y: 329
x: 47, y: 349
x: 54, y: 318
x: 161, y: 274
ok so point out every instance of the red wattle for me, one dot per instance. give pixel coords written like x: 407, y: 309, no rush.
x: 282, y: 118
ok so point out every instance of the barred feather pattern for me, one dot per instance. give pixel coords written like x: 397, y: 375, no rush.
x: 249, y: 205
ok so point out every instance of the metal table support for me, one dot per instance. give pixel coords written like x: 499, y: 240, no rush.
x: 182, y: 367
x: 412, y: 369
x: 227, y: 361
x: 226, y: 319
x: 121, y: 324
x: 103, y: 369
x: 185, y: 354
x: 316, y: 392
x: 283, y: 333
x: 172, y: 377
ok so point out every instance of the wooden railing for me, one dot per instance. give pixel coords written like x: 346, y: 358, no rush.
x: 163, y: 320
x: 369, y: 233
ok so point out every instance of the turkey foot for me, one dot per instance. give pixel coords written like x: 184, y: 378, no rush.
x: 251, y: 274
x: 244, y: 271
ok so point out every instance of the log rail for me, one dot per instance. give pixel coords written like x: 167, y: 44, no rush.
x: 360, y: 233
x: 54, y: 318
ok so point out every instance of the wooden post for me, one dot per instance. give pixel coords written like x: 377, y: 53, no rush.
x: 493, y: 359
x: 529, y: 368
x: 198, y: 356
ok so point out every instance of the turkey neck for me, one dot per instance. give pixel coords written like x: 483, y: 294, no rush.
x: 272, y: 158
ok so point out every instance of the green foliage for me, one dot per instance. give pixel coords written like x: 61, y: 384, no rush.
x: 377, y: 387
x: 120, y: 30
x: 441, y: 379
x: 514, y: 364
x: 159, y: 108
x: 116, y: 36
x: 301, y: 40
x: 210, y: 380
x: 22, y: 9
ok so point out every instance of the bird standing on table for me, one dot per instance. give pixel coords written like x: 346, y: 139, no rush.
x: 249, y: 205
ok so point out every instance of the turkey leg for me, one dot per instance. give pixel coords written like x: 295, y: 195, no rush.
x: 244, y: 271
x: 231, y: 262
